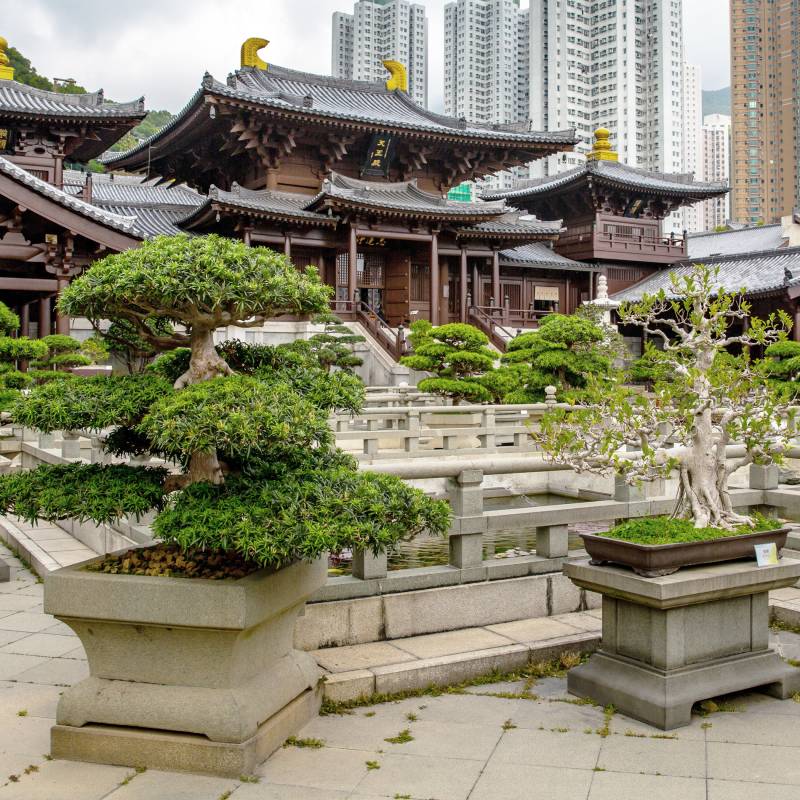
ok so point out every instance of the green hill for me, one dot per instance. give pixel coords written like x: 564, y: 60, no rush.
x: 25, y: 72
x: 717, y: 101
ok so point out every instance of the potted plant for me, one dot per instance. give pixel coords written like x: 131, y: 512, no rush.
x: 189, y: 641
x: 705, y: 401
x: 669, y: 642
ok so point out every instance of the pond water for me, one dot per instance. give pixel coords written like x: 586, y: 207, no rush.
x: 431, y: 551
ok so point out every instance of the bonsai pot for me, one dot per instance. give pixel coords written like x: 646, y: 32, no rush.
x: 653, y: 560
x: 185, y: 673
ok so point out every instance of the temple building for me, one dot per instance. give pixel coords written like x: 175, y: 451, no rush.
x: 613, y: 213
x: 348, y: 176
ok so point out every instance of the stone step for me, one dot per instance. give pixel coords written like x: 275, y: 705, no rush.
x: 444, y: 659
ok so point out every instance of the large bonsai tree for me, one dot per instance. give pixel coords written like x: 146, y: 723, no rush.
x: 707, y: 402
x: 458, y: 356
x: 251, y: 471
x: 564, y: 351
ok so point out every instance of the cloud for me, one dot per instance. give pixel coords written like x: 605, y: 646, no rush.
x: 161, y: 48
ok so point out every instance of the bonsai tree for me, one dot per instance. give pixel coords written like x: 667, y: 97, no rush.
x: 125, y: 344
x: 706, y: 403
x: 13, y: 350
x: 256, y: 478
x: 63, y: 353
x: 333, y: 348
x: 564, y: 351
x: 782, y: 363
x: 457, y: 355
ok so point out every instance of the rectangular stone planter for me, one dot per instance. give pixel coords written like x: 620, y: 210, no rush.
x: 652, y: 560
x: 672, y: 641
x: 185, y: 674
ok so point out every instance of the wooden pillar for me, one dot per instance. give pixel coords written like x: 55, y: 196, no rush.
x: 463, y: 287
x: 498, y: 300
x: 352, y: 264
x: 796, y: 327
x: 25, y: 320
x: 58, y: 173
x: 247, y: 236
x: 62, y: 320
x: 272, y: 179
x: 477, y: 300
x: 435, y: 288
x: 44, y: 317
x: 591, y: 285
x: 444, y: 298
x: 287, y: 245
x: 567, y: 299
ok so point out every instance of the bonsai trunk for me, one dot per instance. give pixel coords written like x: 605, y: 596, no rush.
x: 205, y: 363
x: 703, y: 471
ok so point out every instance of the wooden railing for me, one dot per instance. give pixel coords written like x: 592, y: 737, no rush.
x: 392, y: 341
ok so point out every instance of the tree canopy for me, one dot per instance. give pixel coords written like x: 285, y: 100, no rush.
x: 250, y: 467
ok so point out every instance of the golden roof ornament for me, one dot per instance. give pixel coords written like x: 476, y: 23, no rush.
x: 6, y: 70
x: 602, y: 147
x: 250, y: 56
x: 398, y: 76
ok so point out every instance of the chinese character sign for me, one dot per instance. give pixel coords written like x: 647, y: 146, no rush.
x: 379, y: 155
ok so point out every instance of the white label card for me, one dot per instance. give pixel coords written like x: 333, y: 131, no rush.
x: 766, y: 554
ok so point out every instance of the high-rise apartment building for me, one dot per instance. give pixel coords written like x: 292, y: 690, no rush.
x: 379, y: 30
x: 765, y: 104
x: 486, y: 45
x: 693, y: 217
x: 616, y: 64
x: 716, y: 167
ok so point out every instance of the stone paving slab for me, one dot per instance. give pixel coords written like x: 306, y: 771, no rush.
x: 461, y: 746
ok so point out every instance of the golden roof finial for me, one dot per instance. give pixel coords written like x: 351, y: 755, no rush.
x: 398, y: 76
x: 250, y: 50
x: 602, y: 147
x: 6, y: 70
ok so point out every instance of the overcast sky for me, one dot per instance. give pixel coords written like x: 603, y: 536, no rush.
x: 161, y: 48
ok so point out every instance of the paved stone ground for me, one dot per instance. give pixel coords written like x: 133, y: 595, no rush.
x: 470, y: 746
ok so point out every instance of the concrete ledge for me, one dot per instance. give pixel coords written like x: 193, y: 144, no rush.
x: 41, y: 562
x: 452, y: 669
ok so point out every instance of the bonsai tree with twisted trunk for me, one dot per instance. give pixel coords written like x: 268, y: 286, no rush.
x: 250, y: 449
x: 686, y: 424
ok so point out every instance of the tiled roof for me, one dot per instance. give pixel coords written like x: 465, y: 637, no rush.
x: 19, y: 99
x: 540, y: 255
x: 125, y: 224
x: 403, y: 197
x: 513, y: 224
x: 340, y: 99
x: 745, y: 240
x: 154, y: 221
x: 268, y: 202
x: 144, y: 194
x: 617, y: 174
x: 754, y: 272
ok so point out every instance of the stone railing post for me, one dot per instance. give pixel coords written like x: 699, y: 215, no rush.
x: 97, y: 455
x: 412, y: 426
x: 488, y: 438
x: 552, y: 541
x: 550, y: 395
x: 367, y: 566
x: 71, y: 445
x: 466, y: 542
x: 47, y: 441
x: 764, y: 476
x: 627, y: 493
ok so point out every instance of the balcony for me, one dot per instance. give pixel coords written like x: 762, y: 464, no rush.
x: 609, y: 239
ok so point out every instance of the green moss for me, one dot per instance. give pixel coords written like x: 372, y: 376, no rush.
x: 663, y: 530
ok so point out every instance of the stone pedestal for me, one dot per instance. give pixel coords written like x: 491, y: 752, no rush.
x: 185, y: 674
x: 670, y: 642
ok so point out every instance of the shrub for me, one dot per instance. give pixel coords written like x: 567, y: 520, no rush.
x: 458, y: 356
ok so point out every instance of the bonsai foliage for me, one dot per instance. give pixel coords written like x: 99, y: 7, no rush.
x: 334, y: 347
x: 565, y: 352
x: 251, y: 469
x: 123, y: 341
x: 63, y: 353
x: 782, y: 363
x: 458, y: 356
x: 708, y: 401
x: 14, y: 349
